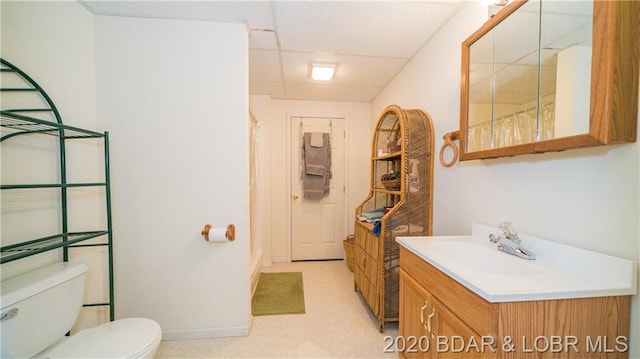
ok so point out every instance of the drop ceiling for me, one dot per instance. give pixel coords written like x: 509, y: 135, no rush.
x: 370, y: 41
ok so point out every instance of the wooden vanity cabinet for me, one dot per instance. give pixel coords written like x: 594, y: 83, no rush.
x: 414, y: 303
x: 422, y: 316
x: 461, y: 341
x: 439, y: 331
x: 458, y: 323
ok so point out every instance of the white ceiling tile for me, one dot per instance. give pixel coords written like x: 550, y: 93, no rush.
x: 264, y: 65
x: 331, y: 92
x: 373, y: 28
x: 371, y: 41
x: 275, y: 89
x: 262, y: 39
x: 256, y: 14
x: 350, y: 70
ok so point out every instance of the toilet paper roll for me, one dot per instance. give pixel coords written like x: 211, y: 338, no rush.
x: 217, y: 235
x: 213, y: 234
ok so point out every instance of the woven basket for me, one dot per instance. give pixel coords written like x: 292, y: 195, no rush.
x: 393, y: 184
x: 349, y: 250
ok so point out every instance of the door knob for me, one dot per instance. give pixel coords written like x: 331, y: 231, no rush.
x: 295, y: 196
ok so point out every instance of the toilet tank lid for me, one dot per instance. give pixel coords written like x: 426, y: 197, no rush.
x: 33, y: 282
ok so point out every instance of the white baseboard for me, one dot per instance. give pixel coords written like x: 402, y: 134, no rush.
x: 280, y: 260
x: 241, y: 331
x: 256, y: 269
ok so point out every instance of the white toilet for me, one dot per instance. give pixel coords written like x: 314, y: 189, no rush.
x: 41, y: 306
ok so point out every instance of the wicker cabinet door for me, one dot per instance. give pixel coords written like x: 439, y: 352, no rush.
x: 366, y: 272
x: 358, y: 255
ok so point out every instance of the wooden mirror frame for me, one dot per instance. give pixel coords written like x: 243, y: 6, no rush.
x: 615, y: 71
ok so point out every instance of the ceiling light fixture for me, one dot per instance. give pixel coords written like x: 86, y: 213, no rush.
x: 322, y: 72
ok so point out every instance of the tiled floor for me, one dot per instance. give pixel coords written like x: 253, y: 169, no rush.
x: 337, y: 324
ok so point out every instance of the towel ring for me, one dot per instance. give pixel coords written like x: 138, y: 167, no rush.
x: 448, y: 142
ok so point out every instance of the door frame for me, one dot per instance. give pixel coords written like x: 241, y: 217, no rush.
x: 290, y: 168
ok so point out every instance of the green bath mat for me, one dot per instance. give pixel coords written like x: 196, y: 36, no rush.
x: 278, y: 293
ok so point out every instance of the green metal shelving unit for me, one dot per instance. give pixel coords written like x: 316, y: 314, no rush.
x: 16, y: 122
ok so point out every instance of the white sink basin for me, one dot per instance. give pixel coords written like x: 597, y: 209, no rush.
x: 559, y: 271
x: 481, y: 258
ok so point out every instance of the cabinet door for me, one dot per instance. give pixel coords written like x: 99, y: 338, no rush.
x: 366, y: 266
x: 454, y: 339
x: 415, y: 308
x: 358, y: 254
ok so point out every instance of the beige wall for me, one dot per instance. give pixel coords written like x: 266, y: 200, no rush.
x: 586, y: 198
x: 179, y: 131
x: 53, y: 42
x: 179, y: 158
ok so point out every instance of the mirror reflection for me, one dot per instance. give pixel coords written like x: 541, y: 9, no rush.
x: 529, y: 77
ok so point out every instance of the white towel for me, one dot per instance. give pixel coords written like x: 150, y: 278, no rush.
x: 316, y: 139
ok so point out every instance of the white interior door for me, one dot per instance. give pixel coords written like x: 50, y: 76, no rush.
x: 317, y: 226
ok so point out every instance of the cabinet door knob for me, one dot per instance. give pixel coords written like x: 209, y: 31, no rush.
x: 295, y: 196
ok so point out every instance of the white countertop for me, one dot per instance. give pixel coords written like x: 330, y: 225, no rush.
x: 558, y: 272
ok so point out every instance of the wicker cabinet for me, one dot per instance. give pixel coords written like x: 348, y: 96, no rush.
x: 401, y: 189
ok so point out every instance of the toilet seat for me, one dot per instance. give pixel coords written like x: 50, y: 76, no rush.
x: 123, y: 338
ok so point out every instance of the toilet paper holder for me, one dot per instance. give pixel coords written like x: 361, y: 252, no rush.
x: 230, y: 232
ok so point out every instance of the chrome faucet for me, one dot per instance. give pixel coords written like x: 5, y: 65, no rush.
x: 508, y: 241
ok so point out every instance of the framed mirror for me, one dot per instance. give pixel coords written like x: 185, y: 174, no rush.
x: 544, y: 75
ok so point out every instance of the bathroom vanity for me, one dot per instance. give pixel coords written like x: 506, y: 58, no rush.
x: 460, y: 297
